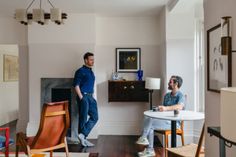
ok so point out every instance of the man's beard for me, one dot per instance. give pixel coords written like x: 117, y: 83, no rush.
x: 169, y: 87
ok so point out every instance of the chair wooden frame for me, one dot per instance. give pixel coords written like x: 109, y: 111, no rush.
x: 29, y: 148
x: 181, y: 151
x: 166, y: 133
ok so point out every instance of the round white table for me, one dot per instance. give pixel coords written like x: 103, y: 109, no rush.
x: 184, y: 115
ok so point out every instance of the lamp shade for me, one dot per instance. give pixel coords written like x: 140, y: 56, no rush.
x: 228, y: 113
x: 152, y: 83
x: 20, y: 15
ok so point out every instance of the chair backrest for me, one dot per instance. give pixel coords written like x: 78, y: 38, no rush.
x: 199, y: 147
x: 53, y: 125
x: 185, y: 104
x: 185, y: 101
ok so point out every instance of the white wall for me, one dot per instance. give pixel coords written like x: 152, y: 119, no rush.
x: 56, y: 51
x: 213, y: 11
x: 9, y: 94
x: 180, y: 29
x: 124, y: 118
x: 13, y: 33
x: 180, y: 50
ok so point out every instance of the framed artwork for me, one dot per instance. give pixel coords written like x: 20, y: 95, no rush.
x: 218, y: 66
x: 10, y: 68
x: 128, y: 59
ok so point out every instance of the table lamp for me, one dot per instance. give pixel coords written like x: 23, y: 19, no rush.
x: 228, y: 113
x: 152, y: 84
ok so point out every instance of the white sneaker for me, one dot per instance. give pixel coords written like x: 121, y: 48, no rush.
x: 82, y: 140
x: 88, y: 143
x: 142, y: 141
x: 147, y: 153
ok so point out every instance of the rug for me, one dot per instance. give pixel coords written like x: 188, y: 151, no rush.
x: 58, y: 154
x: 2, y: 142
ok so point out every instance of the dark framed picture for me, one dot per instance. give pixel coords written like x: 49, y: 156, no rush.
x: 218, y: 66
x: 128, y: 59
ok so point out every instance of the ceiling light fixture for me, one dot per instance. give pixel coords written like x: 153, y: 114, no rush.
x: 38, y: 15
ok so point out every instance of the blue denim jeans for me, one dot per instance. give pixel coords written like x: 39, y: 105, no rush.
x: 87, y: 107
x: 151, y: 124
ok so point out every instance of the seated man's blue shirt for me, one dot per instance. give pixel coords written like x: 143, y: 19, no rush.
x: 84, y: 78
x: 170, y: 100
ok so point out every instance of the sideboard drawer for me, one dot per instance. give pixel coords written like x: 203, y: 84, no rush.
x: 127, y: 91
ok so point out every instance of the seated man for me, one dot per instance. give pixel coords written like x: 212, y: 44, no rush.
x: 173, y: 100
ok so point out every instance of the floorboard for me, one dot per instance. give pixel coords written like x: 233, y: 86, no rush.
x: 106, y: 145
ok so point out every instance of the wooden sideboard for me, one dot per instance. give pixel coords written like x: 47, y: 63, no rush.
x: 127, y: 91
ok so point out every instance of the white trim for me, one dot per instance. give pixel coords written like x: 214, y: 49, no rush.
x: 199, y: 66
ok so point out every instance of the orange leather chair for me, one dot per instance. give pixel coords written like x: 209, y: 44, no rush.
x: 166, y: 133
x: 190, y: 150
x: 51, y: 134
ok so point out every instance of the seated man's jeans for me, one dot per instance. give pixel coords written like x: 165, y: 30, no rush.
x: 151, y: 124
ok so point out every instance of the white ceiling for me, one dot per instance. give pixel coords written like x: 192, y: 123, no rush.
x: 100, y: 7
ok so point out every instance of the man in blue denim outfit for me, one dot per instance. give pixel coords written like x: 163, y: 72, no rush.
x: 173, y: 100
x: 84, y: 87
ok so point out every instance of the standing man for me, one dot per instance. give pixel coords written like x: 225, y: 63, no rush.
x: 84, y: 87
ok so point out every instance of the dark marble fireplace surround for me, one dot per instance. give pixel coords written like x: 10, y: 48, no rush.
x: 52, y: 90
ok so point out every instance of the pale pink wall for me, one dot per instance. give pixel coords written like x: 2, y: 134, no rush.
x: 12, y: 32
x: 127, y: 32
x: 213, y: 11
x: 50, y: 56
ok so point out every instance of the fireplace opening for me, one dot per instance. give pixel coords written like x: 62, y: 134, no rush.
x: 63, y: 94
x: 61, y: 89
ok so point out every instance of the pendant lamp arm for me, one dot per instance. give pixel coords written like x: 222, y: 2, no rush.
x: 30, y: 5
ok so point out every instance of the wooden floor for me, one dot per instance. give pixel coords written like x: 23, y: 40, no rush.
x: 115, y: 146
x: 106, y: 145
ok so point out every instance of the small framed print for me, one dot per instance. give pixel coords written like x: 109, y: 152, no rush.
x: 128, y: 59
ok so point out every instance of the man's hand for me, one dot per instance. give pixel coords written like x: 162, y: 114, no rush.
x: 162, y: 108
x: 81, y: 97
x: 171, y: 108
x: 78, y: 92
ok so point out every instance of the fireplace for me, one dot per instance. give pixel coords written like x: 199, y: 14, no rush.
x: 61, y: 89
x: 63, y: 94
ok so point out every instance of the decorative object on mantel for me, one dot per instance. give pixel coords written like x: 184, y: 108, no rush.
x: 140, y: 75
x: 152, y: 84
x: 128, y: 59
x: 39, y: 16
x: 228, y: 116
x: 219, y: 70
